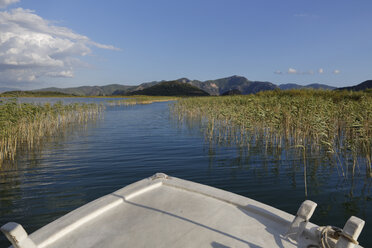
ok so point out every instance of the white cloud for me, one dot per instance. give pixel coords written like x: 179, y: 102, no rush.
x: 5, y: 3
x: 31, y: 47
x: 308, y: 72
x: 66, y: 74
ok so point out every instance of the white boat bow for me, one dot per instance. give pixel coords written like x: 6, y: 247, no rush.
x: 164, y: 211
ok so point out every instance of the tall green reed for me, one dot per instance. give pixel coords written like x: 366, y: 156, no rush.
x: 25, y: 124
x: 337, y: 123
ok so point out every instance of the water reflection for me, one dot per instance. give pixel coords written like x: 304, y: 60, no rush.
x: 26, y: 184
x: 264, y: 146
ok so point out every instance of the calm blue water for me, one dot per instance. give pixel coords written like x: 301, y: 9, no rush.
x: 131, y: 143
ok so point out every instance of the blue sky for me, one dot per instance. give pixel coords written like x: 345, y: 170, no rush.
x: 78, y: 42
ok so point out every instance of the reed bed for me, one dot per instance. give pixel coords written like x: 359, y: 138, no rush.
x: 336, y: 123
x: 25, y: 124
x: 141, y: 100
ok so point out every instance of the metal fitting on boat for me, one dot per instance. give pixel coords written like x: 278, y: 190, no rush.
x: 17, y: 235
x: 303, y: 216
x: 341, y: 238
x: 159, y: 175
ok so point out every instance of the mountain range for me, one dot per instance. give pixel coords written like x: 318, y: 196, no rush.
x: 362, y: 86
x: 309, y: 86
x: 212, y: 87
x: 170, y: 88
x: 4, y: 89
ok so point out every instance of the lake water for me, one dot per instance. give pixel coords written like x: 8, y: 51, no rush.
x: 131, y: 143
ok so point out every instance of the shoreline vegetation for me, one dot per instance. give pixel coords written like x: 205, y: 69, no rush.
x: 134, y: 100
x: 24, y: 125
x: 35, y: 94
x: 15, y: 94
x: 337, y: 124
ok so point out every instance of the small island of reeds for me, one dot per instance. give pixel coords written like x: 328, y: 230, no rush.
x: 26, y: 124
x: 337, y: 124
x: 140, y: 99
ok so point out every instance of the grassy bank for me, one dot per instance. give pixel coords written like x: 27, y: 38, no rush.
x: 34, y: 94
x: 26, y: 124
x: 338, y: 123
x: 141, y: 100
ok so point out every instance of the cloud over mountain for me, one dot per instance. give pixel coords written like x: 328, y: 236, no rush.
x: 32, y: 47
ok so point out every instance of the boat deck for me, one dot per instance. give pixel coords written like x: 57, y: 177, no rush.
x: 170, y: 212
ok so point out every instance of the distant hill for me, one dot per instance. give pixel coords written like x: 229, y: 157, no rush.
x: 212, y: 87
x: 362, y: 86
x: 171, y: 88
x: 231, y: 92
x: 219, y: 86
x: 20, y: 93
x: 320, y: 87
x: 106, y: 90
x: 146, y: 85
x: 4, y: 89
x: 290, y: 86
x: 120, y: 92
x: 309, y: 86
